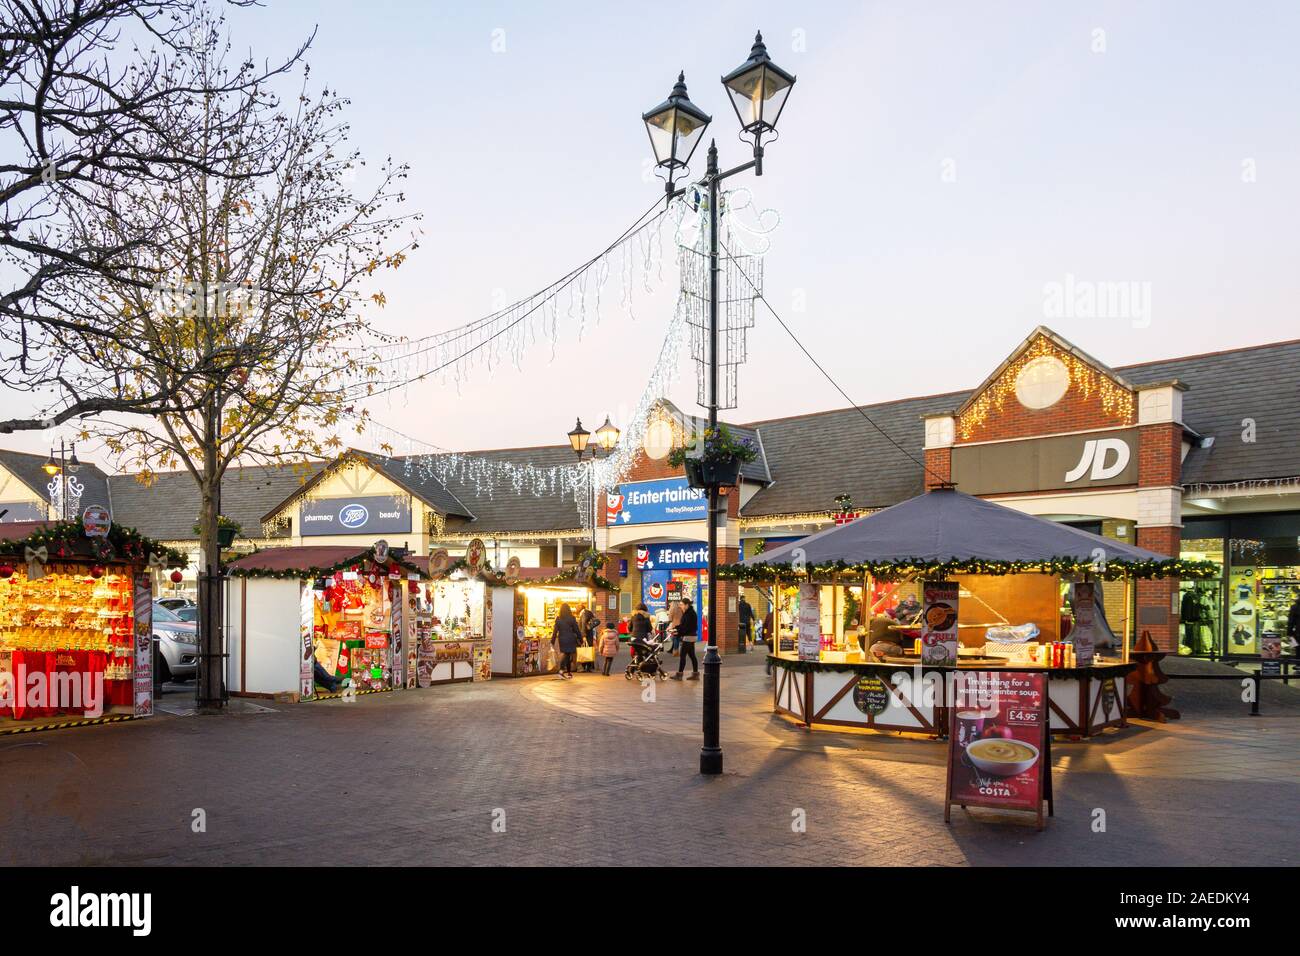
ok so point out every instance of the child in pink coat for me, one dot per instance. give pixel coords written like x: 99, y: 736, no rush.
x: 608, y: 647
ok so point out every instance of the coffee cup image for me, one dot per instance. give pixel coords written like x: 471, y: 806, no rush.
x: 1000, y: 757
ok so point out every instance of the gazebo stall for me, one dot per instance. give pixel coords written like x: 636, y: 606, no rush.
x: 990, y: 583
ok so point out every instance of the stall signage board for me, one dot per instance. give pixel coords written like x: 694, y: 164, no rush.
x: 870, y: 695
x: 652, y: 502
x: 810, y: 623
x: 999, y: 749
x: 143, y: 610
x: 96, y: 521
x: 1085, y: 612
x: 363, y: 514
x: 939, y: 623
x: 1270, y: 654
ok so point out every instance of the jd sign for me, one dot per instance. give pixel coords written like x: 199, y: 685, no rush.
x: 1095, y: 452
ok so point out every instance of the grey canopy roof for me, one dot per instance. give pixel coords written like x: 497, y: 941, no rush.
x: 946, y: 525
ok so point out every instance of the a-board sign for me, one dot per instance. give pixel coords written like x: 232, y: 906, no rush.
x: 999, y: 748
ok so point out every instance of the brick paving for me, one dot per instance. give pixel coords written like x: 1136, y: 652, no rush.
x: 586, y: 772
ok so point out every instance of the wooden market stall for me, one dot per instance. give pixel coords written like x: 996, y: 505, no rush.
x: 969, y: 584
x: 350, y: 613
x: 76, y: 621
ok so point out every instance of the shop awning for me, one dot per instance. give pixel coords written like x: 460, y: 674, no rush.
x: 947, y: 532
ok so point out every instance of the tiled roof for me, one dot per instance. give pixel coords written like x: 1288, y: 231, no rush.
x: 504, y: 510
x: 815, y: 457
x: 1223, y: 390
x: 167, y: 509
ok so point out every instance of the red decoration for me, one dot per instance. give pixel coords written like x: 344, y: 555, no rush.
x: 96, y: 571
x: 6, y: 571
x: 413, y: 587
x: 177, y: 577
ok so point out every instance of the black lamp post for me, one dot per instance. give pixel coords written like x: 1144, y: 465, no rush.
x: 63, y: 469
x: 580, y: 441
x: 758, y: 89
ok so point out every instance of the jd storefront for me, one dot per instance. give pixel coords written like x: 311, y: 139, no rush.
x: 1259, y: 582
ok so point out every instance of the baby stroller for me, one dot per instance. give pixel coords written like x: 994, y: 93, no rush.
x: 645, y: 661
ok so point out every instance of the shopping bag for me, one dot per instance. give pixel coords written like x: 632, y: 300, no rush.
x: 586, y: 654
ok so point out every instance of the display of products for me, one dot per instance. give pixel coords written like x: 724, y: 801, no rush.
x: 69, y: 621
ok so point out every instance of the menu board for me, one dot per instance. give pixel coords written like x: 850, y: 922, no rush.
x: 939, y: 623
x: 810, y: 623
x: 870, y: 695
x: 999, y: 750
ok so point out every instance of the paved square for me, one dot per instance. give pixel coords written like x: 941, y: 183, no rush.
x: 587, y: 772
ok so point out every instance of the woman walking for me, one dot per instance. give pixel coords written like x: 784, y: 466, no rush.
x: 566, y: 635
x: 687, y: 630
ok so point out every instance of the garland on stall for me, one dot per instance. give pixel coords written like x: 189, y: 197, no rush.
x: 488, y: 575
x: 918, y: 569
x: 351, y: 564
x: 1056, y: 673
x: 67, y: 539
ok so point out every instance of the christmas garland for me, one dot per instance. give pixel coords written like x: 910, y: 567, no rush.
x: 1058, y: 673
x: 67, y: 539
x: 495, y: 578
x: 919, y: 569
x: 303, y: 574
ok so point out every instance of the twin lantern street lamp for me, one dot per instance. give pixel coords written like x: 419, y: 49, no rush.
x: 758, y: 89
x: 606, y: 439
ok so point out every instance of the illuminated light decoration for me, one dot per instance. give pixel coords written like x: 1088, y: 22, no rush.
x: 497, y: 537
x: 1275, y: 485
x: 1084, y: 379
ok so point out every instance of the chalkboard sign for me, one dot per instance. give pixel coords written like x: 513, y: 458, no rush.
x: 871, y: 696
x: 786, y: 645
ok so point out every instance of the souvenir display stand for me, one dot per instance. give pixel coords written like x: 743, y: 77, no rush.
x: 985, y: 581
x: 76, y: 622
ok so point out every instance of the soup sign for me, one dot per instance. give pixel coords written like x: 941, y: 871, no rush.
x: 999, y: 749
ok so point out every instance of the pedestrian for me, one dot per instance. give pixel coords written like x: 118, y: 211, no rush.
x: 639, y: 625
x: 769, y: 638
x: 608, y: 646
x: 567, y: 636
x: 688, y: 630
x: 745, y: 616
x: 587, y: 626
x: 1293, y: 625
x: 674, y: 619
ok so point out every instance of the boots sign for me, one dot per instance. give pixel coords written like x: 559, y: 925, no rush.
x: 1059, y: 463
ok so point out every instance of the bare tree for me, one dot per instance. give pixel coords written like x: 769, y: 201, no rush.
x: 243, y: 319
x: 85, y: 86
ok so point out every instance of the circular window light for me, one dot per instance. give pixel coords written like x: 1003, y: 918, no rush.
x: 1042, y: 382
x: 659, y: 439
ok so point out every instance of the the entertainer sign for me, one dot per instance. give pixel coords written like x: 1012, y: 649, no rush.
x: 651, y: 502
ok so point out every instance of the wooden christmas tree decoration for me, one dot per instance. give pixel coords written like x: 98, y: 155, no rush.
x: 1145, y: 698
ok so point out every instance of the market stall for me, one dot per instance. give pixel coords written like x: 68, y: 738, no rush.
x: 76, y: 622
x: 537, y: 601
x: 942, y: 582
x: 314, y: 621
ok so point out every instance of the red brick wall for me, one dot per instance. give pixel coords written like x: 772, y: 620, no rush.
x: 644, y: 468
x: 1075, y: 412
x: 1156, y: 612
x: 1160, y: 454
x: 938, y: 466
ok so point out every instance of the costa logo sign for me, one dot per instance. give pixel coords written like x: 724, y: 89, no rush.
x: 1093, y: 462
x: 354, y: 516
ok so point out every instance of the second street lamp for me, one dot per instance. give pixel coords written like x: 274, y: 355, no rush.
x: 580, y: 440
x: 758, y: 89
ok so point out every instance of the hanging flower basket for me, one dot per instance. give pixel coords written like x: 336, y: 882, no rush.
x: 713, y: 458
x: 721, y: 471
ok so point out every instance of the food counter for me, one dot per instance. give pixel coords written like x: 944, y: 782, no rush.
x: 909, y: 697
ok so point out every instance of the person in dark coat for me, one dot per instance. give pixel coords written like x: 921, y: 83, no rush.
x: 745, y: 617
x: 688, y: 630
x: 567, y: 636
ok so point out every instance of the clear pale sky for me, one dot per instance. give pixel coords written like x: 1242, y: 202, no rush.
x: 1169, y: 159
